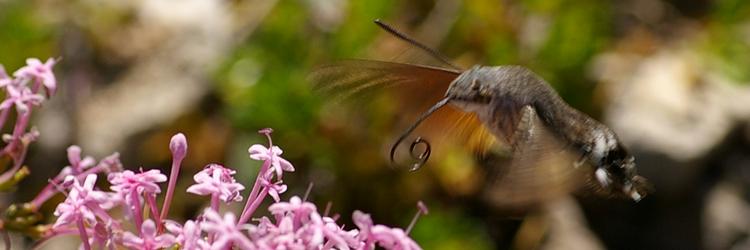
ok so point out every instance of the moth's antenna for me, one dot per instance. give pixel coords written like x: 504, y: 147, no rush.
x: 411, y: 41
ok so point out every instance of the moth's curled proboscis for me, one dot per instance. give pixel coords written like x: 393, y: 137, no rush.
x: 421, y: 158
x: 419, y: 151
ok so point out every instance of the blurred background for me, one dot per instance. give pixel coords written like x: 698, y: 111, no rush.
x: 672, y: 78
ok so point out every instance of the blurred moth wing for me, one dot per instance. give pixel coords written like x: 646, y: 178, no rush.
x: 414, y: 88
x: 540, y: 169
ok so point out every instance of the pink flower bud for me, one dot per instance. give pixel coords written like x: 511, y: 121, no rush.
x: 422, y: 207
x: 178, y: 146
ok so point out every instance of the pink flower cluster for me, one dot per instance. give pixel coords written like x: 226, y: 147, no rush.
x: 294, y: 224
x: 22, y: 92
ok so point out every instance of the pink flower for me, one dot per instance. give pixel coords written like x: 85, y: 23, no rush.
x: 295, y: 206
x: 301, y: 227
x: 284, y: 234
x: 363, y: 222
x: 188, y: 236
x: 392, y: 238
x: 225, y: 230
x: 386, y: 237
x: 80, y: 204
x: 79, y: 169
x: 148, y: 239
x: 42, y: 73
x: 261, y: 153
x: 127, y: 182
x: 103, y: 236
x: 129, y: 187
x: 22, y: 97
x: 110, y: 163
x: 335, y: 235
x: 77, y: 165
x: 263, y: 183
x: 294, y: 224
x: 74, y: 157
x: 217, y: 180
x: 80, y: 211
x: 274, y: 189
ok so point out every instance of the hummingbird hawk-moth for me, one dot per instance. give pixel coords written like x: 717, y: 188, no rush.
x: 554, y: 148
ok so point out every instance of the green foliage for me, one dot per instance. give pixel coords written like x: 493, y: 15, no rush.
x: 578, y: 31
x: 23, y: 34
x: 444, y: 230
x: 729, y: 41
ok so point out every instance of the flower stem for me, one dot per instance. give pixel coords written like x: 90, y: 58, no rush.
x: 178, y: 146
x: 170, y: 191
x: 137, y: 212
x: 16, y: 148
x: 84, y: 235
x: 4, y: 117
x: 215, y: 202
x: 44, y: 195
x: 50, y: 189
x: 151, y: 201
x: 421, y: 209
x: 251, y: 209
x: 307, y: 192
x: 17, y: 162
x: 256, y: 187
